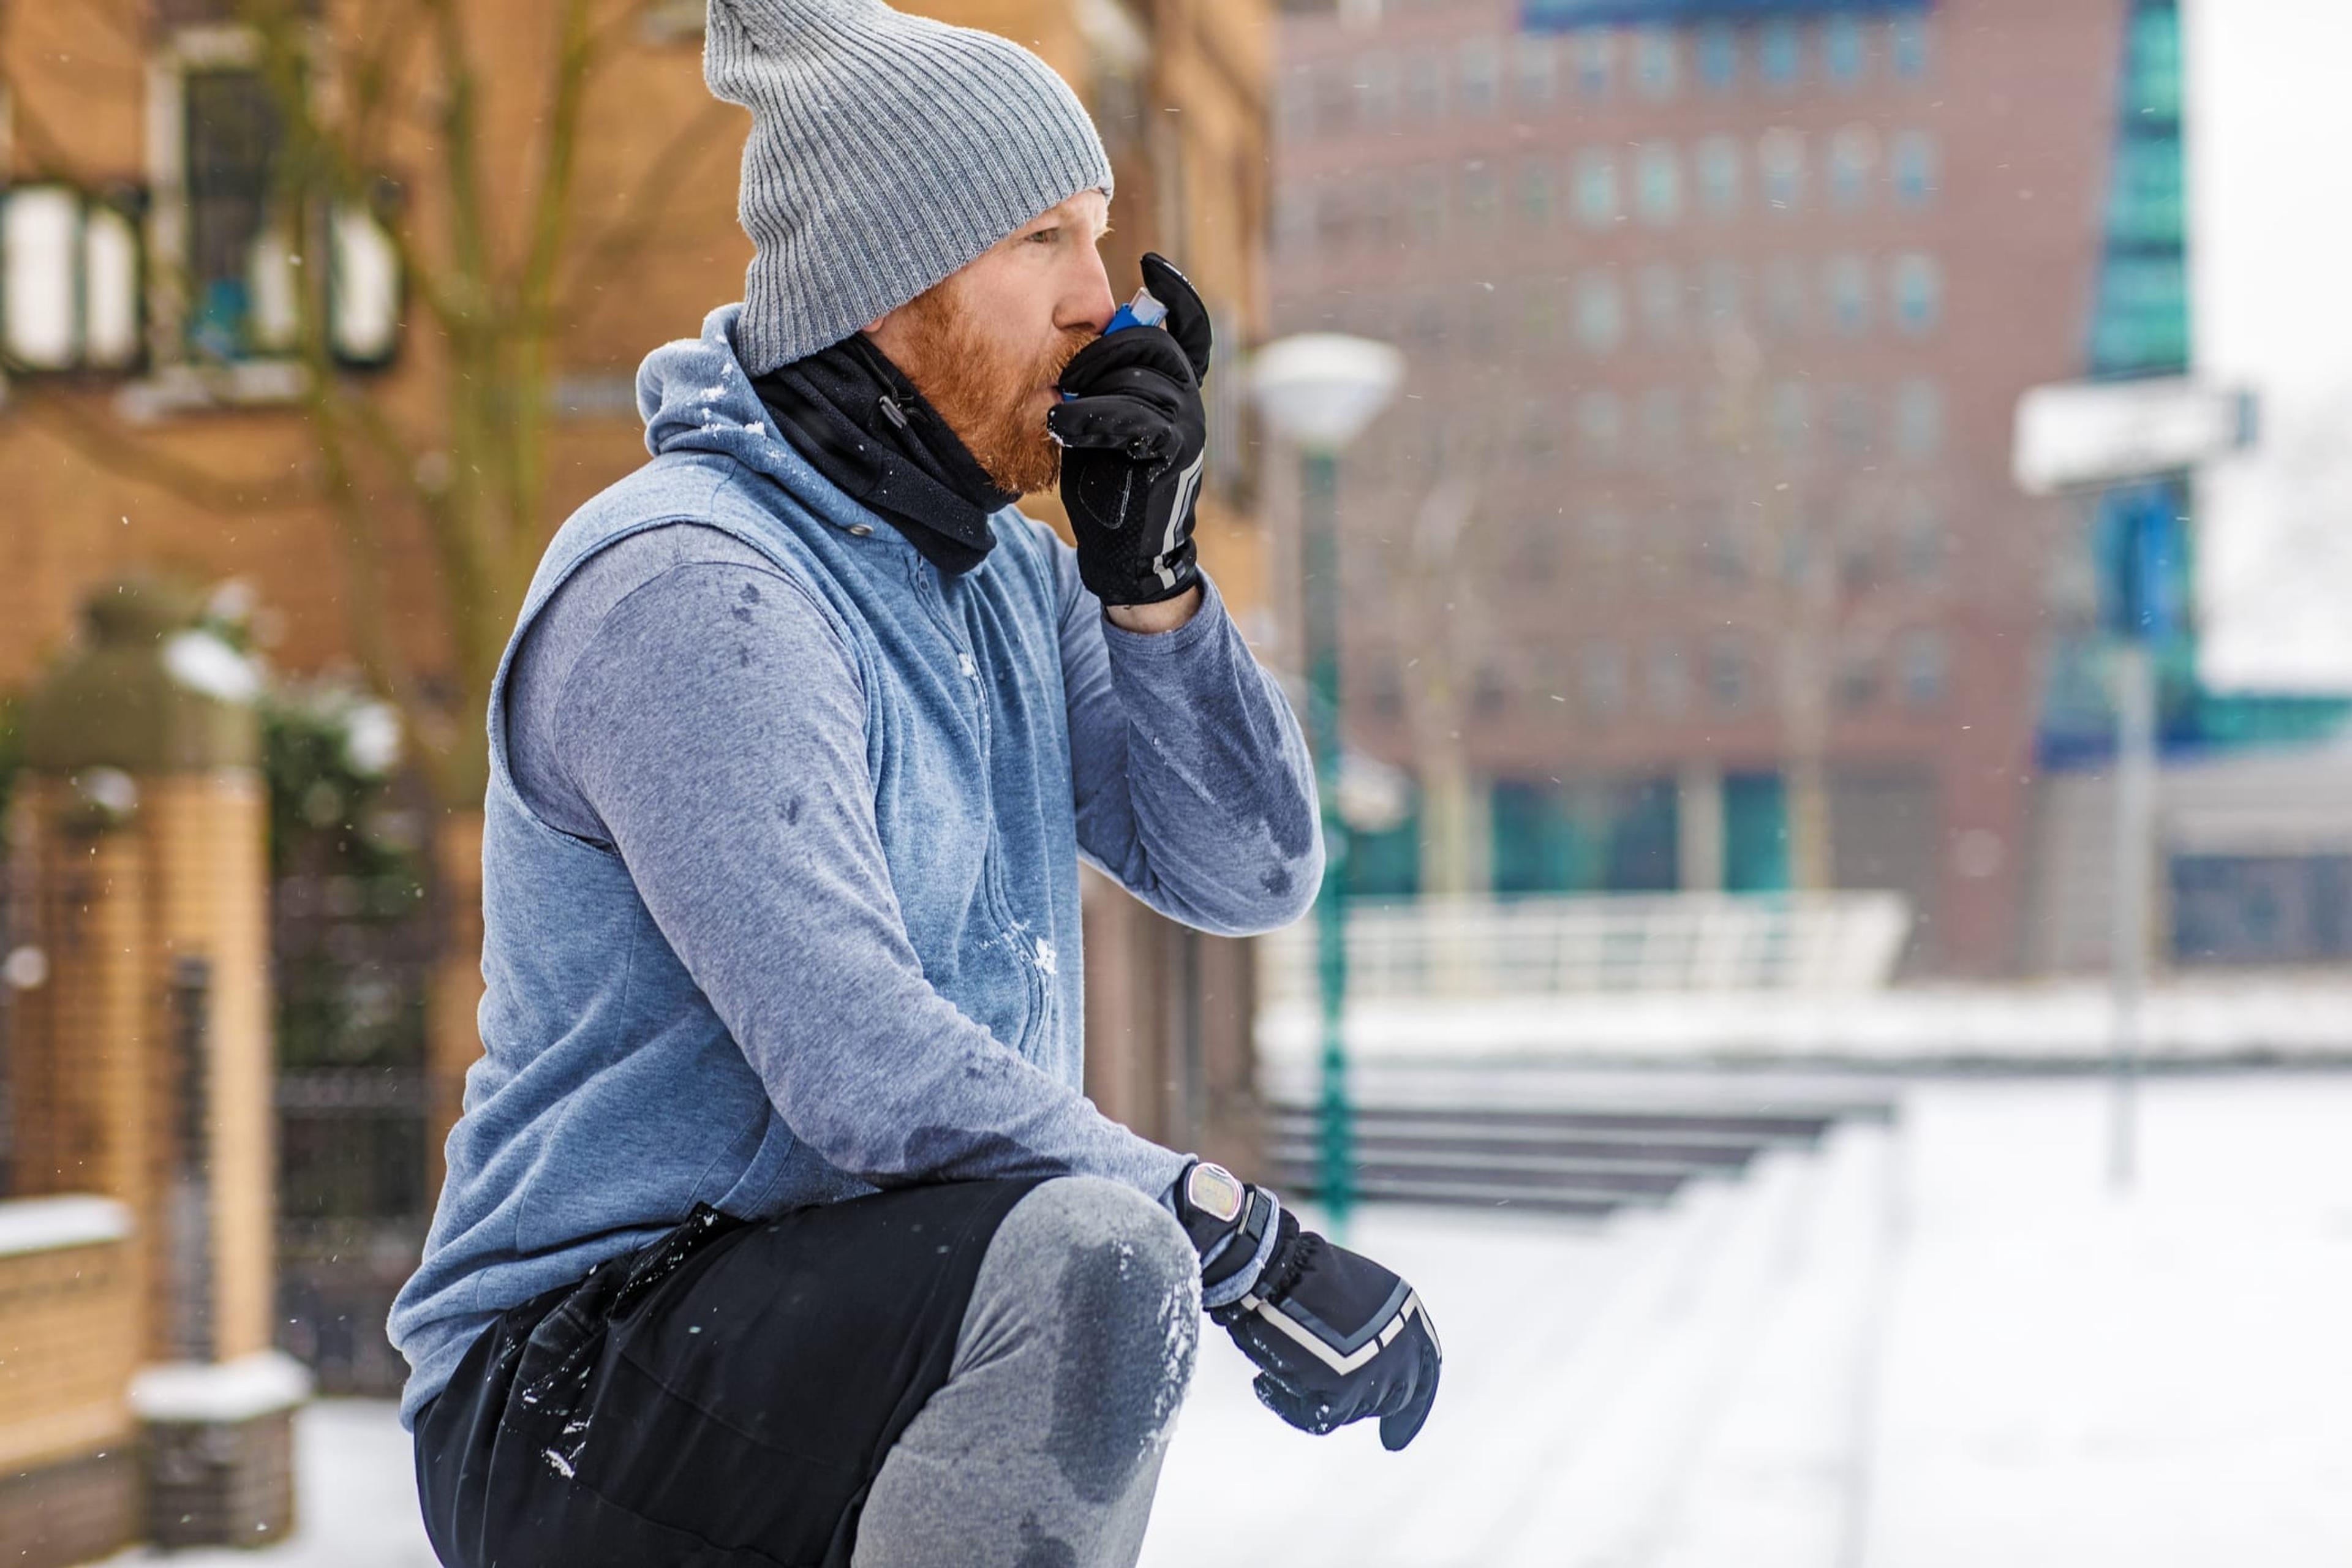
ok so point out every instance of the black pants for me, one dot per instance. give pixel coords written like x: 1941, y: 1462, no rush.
x: 720, y: 1399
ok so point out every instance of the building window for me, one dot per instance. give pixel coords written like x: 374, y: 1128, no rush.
x: 1481, y: 194
x: 2145, y: 206
x: 1923, y: 669
x: 1605, y: 537
x: 1539, y: 451
x: 1376, y: 212
x: 1426, y: 206
x: 1845, y: 55
x: 1596, y: 51
x: 1719, y: 56
x: 2143, y: 316
x: 1850, y: 422
x: 1792, y: 416
x: 1596, y: 188
x: 71, y: 280
x: 1718, y: 174
x: 1857, y: 679
x: 1720, y: 286
x: 1780, y: 53
x: 2153, y: 91
x: 1784, y: 297
x: 1596, y: 62
x: 1655, y: 67
x: 1604, y: 679
x: 1906, y: 46
x: 1481, y: 70
x: 1912, y: 161
x: 241, y: 281
x: 1728, y: 675
x: 1600, y: 313
x: 1662, y: 301
x: 1539, y: 317
x: 1666, y: 683
x: 1780, y: 165
x: 1721, y: 554
x: 1854, y: 154
x: 1661, y: 195
x: 1918, y: 419
x: 1424, y: 90
x: 1535, y: 196
x: 1376, y: 92
x: 1846, y: 281
x: 1919, y: 288
x: 1537, y: 70
x: 1662, y: 424
x: 1921, y: 544
x: 1601, y: 426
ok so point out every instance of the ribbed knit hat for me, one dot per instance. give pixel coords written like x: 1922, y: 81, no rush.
x: 886, y: 150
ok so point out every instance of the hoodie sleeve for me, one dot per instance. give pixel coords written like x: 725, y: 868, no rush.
x: 1193, y: 781
x: 717, y: 727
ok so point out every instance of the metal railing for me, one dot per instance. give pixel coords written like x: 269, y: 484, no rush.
x: 1543, y: 946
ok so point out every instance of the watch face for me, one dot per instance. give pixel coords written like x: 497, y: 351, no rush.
x: 1215, y: 1192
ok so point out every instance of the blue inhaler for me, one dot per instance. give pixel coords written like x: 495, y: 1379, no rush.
x: 1144, y: 311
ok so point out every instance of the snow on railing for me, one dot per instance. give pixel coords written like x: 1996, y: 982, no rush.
x: 1545, y: 946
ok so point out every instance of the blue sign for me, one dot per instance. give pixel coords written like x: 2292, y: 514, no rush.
x: 1561, y: 16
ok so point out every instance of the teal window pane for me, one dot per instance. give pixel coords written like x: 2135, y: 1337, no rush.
x: 1719, y: 173
x: 1719, y: 56
x: 2153, y: 91
x: 1755, y: 833
x: 2143, y: 322
x: 1612, y: 835
x: 1386, y: 865
x: 1780, y: 52
x: 1906, y: 44
x: 1596, y: 188
x: 2147, y: 207
x: 1843, y: 54
x: 1657, y: 64
x: 1661, y: 189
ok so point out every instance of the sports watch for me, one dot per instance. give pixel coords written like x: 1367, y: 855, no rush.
x: 1232, y: 1225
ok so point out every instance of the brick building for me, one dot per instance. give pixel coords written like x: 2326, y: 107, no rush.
x: 1691, y: 558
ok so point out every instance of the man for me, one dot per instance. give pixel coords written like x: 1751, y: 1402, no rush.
x: 776, y: 1229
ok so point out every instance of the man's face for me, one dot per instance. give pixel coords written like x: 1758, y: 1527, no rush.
x: 985, y: 346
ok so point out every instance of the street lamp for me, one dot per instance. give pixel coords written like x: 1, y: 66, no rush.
x: 1317, y: 391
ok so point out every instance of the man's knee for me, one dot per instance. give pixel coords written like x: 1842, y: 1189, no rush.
x: 1121, y: 1284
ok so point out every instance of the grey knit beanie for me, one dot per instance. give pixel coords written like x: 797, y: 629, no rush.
x: 886, y: 150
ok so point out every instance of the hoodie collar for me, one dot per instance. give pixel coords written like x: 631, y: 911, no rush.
x: 695, y: 397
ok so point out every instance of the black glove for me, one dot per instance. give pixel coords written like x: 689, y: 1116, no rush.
x: 1133, y: 433
x: 1338, y: 1337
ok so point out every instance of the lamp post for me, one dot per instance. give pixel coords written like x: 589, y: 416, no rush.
x: 1319, y: 390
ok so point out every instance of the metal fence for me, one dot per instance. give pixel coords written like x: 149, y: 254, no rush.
x: 1540, y: 946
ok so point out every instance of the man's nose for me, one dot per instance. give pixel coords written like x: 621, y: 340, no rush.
x: 1087, y: 297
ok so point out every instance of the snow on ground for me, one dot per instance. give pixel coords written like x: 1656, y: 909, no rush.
x: 1947, y: 1346
x: 2163, y: 1380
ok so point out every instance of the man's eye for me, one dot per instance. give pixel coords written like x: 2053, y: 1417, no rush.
x: 1044, y: 236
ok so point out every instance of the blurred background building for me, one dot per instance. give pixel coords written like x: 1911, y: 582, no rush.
x: 1691, y: 560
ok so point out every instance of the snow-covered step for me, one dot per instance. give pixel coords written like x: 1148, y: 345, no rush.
x: 1588, y: 1374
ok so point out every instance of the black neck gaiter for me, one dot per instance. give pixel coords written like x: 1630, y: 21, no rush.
x: 863, y: 425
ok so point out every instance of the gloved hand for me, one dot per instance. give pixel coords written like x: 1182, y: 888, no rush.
x: 1133, y: 433
x: 1339, y: 1339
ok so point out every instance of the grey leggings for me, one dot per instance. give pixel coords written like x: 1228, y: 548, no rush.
x: 1042, y: 1448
